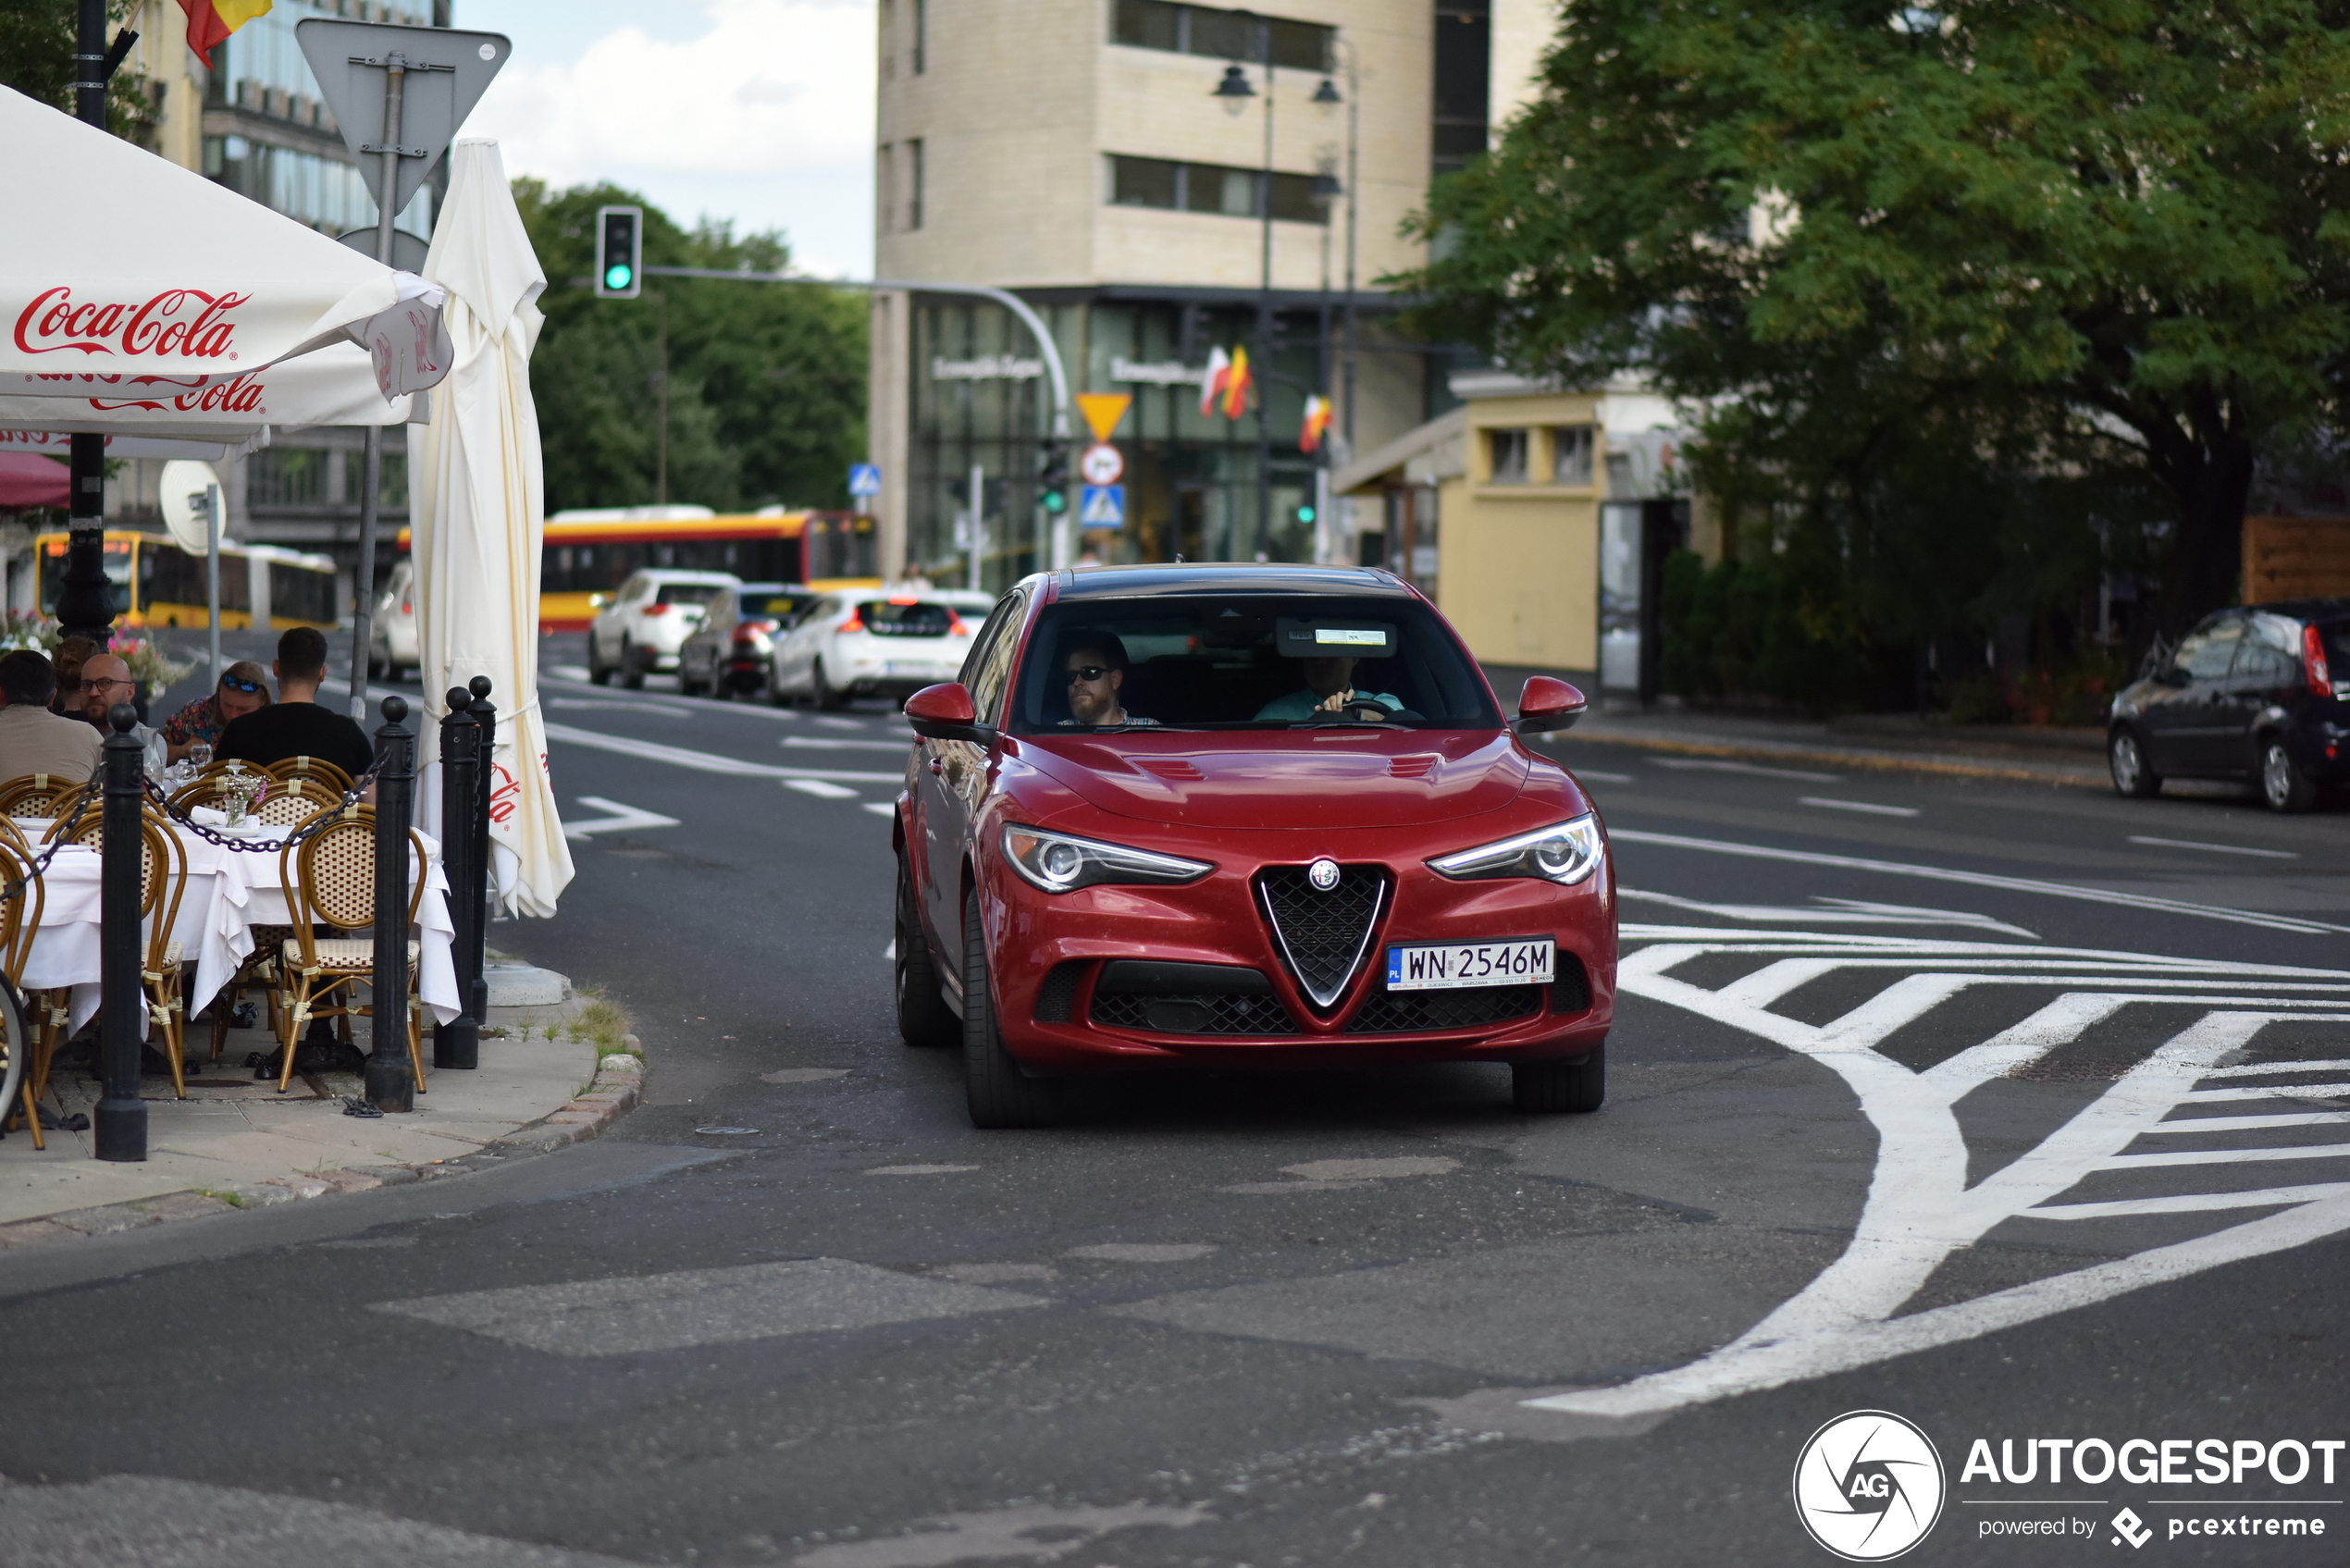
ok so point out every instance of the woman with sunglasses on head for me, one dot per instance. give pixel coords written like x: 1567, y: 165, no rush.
x: 243, y: 688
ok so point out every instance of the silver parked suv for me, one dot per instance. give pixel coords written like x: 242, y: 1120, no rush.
x: 639, y: 629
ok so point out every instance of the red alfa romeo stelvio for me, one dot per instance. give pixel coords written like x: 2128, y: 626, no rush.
x: 1244, y: 816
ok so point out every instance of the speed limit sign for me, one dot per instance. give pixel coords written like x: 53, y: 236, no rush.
x: 1102, y: 464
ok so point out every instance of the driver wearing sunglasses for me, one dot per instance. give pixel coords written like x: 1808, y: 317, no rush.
x: 1093, y: 666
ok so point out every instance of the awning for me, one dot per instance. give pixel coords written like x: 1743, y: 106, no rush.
x: 30, y: 479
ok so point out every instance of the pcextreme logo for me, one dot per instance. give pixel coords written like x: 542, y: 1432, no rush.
x: 1869, y: 1486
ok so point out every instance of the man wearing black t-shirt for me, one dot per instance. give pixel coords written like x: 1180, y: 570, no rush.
x: 295, y: 726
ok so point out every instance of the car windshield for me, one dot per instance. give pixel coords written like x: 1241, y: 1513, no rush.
x: 906, y: 618
x: 1248, y: 662
x: 772, y: 606
x: 690, y: 593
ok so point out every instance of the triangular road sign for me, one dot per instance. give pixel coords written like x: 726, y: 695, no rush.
x: 448, y: 73
x: 1103, y: 411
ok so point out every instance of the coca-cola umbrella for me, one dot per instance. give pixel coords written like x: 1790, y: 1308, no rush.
x: 120, y: 263
x: 331, y: 386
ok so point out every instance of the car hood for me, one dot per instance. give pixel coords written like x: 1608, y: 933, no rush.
x: 1288, y: 779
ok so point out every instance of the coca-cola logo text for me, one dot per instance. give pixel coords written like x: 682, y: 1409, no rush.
x: 181, y: 323
x: 238, y: 394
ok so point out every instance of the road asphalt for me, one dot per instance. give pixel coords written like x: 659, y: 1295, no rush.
x: 1894, y: 1125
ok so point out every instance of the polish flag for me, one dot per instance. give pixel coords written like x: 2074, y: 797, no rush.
x: 1211, y: 385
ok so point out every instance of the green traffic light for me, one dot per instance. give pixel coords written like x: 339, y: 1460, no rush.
x: 617, y: 276
x: 1056, y: 501
x: 1305, y: 515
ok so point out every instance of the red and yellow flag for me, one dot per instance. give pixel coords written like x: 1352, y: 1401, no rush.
x: 1236, y: 381
x: 1317, y: 422
x: 211, y: 21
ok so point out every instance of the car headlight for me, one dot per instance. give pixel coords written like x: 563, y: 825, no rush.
x: 1060, y: 863
x: 1566, y: 853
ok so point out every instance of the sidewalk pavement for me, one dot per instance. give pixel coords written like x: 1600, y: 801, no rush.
x: 236, y: 1143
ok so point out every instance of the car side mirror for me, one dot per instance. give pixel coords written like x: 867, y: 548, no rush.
x: 2171, y: 675
x: 947, y: 712
x: 1547, y: 704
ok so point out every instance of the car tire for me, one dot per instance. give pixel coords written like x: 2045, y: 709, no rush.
x: 2284, y: 787
x: 2125, y: 758
x: 687, y: 686
x: 776, y: 695
x: 632, y: 667
x: 924, y: 1020
x: 598, y: 672
x: 1544, y: 1088
x: 995, y: 1090
x: 829, y: 697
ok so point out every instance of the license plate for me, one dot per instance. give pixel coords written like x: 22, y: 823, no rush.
x: 1459, y: 965
x: 914, y: 669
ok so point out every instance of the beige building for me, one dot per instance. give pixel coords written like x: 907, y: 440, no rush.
x: 1079, y: 153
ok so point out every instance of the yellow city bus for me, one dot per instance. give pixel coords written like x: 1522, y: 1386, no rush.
x: 153, y: 582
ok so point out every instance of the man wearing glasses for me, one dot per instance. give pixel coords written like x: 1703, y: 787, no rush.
x: 105, y: 680
x: 1094, y: 667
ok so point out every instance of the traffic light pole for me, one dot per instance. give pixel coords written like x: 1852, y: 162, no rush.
x: 85, y: 606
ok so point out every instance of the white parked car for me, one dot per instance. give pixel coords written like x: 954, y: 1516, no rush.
x: 870, y: 642
x: 391, y: 637
x: 639, y: 627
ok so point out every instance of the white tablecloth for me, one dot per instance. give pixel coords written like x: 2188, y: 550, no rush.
x: 228, y: 893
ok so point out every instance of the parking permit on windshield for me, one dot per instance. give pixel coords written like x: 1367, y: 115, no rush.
x: 1459, y: 965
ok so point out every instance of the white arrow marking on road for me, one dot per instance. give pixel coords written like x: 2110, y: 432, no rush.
x: 706, y: 763
x: 621, y: 820
x: 824, y: 789
x: 1839, y: 911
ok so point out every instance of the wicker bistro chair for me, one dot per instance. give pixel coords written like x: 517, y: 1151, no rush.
x: 163, y: 880
x: 319, y: 772
x: 330, y: 881
x: 19, y: 918
x: 38, y: 794
x: 288, y: 805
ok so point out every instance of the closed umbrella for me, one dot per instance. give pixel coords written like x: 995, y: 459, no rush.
x: 478, y: 511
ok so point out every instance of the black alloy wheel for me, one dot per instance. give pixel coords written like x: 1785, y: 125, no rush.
x: 995, y: 1089
x: 2284, y: 787
x: 1578, y: 1084
x: 2126, y: 757
x: 923, y: 1017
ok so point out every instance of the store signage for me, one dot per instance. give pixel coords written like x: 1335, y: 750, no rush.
x: 1165, y: 373
x: 986, y: 367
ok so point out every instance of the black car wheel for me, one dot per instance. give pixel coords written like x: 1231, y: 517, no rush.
x: 686, y: 685
x: 632, y: 666
x: 995, y: 1090
x: 2283, y: 786
x: 2125, y: 756
x: 829, y: 697
x: 598, y: 671
x: 1545, y: 1087
x: 923, y: 1017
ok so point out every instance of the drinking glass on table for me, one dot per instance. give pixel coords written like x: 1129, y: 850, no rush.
x: 199, y: 754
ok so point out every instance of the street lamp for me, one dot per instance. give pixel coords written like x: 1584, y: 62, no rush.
x: 1233, y: 91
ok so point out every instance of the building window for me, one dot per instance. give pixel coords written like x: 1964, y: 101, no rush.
x: 1220, y: 34
x: 886, y: 206
x: 922, y: 39
x: 1505, y: 452
x: 1571, y: 455
x: 914, y: 183
x: 286, y: 477
x: 1211, y: 188
x: 888, y: 32
x: 1464, y: 63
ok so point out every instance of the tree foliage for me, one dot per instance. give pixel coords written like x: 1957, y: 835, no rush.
x: 766, y: 381
x: 1933, y: 264
x: 37, y: 42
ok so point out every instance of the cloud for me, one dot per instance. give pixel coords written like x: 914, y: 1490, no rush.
x: 766, y: 117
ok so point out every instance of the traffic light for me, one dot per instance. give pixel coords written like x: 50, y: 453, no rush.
x: 620, y: 252
x: 1306, y: 512
x: 1052, y: 480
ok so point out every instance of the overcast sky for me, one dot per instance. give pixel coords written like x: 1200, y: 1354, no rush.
x: 757, y: 110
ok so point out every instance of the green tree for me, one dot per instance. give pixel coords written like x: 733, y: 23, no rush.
x: 2102, y: 241
x: 766, y: 381
x: 37, y: 41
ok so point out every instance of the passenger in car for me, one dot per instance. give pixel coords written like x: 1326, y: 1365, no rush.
x: 1094, y: 665
x: 1329, y: 689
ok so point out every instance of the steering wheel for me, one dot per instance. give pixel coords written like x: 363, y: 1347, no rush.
x: 1365, y: 710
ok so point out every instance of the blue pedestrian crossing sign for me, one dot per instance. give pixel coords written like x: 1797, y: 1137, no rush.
x: 864, y: 479
x: 1104, y: 506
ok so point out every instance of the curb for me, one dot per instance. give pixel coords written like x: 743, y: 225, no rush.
x: 617, y: 1089
x: 1888, y: 762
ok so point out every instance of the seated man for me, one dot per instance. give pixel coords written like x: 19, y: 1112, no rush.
x: 295, y: 726
x: 33, y: 740
x: 1329, y: 689
x: 1094, y: 665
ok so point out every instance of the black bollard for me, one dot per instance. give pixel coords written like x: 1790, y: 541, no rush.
x: 121, y: 1124
x: 457, y: 1043
x: 485, y: 714
x: 391, y: 1083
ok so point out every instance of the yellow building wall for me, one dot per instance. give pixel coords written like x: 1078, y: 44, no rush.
x: 1519, y: 559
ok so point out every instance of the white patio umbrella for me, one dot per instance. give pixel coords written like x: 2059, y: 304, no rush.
x: 477, y: 512
x: 120, y: 263
x: 331, y: 386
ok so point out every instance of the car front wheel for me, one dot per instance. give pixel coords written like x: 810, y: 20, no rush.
x: 996, y: 1093
x: 2127, y: 759
x: 632, y: 666
x: 1545, y: 1087
x: 2283, y: 786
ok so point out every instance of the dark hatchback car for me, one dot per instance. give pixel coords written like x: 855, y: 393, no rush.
x: 727, y: 653
x: 2260, y: 693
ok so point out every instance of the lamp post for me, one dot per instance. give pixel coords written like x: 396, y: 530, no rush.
x: 1326, y: 96
x: 1233, y: 91
x: 85, y: 607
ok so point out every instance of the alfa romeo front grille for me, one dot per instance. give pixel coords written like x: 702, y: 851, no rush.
x: 1409, y: 1012
x: 1202, y: 1014
x: 1324, y: 937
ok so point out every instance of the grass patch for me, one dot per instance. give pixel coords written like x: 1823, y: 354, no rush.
x: 602, y: 1024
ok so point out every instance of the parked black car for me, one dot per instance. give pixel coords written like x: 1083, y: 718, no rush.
x: 726, y: 654
x: 2260, y: 693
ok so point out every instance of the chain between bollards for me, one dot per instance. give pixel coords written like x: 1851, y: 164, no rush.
x: 391, y: 1085
x: 121, y: 1123
x: 457, y: 1043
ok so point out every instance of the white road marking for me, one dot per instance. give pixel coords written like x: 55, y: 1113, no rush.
x: 842, y: 743
x: 1030, y: 1532
x: 1711, y: 765
x: 2253, y: 1070
x: 2212, y: 848
x: 1984, y: 879
x: 882, y: 808
x: 619, y: 704
x: 704, y: 761
x: 2273, y: 1092
x: 2252, y: 1123
x: 1921, y: 1208
x: 824, y: 789
x: 567, y: 672
x: 1839, y: 912
x: 1861, y: 805
x: 1603, y: 778
x: 920, y: 1169
x: 842, y: 724
x: 1142, y: 1251
x: 621, y: 819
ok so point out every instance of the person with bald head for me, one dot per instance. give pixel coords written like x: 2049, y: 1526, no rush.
x: 105, y: 680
